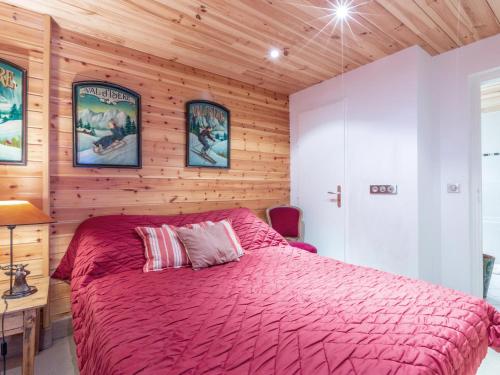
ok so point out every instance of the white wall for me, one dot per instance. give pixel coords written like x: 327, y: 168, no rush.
x: 411, y: 121
x: 490, y: 143
x: 382, y: 122
x: 455, y: 75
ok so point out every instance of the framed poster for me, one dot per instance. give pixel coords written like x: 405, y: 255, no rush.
x: 13, y: 99
x: 208, y: 142
x: 106, y: 125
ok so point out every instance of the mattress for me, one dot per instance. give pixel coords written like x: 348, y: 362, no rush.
x: 279, y: 310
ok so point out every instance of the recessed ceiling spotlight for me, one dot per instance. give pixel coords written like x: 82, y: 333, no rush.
x: 341, y: 11
x: 274, y: 53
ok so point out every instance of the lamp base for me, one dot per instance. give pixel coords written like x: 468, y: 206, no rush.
x: 20, y: 293
x: 20, y: 287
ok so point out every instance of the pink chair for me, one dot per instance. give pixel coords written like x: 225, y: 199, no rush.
x: 287, y: 221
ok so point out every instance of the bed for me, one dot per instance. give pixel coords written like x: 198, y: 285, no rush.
x: 279, y: 310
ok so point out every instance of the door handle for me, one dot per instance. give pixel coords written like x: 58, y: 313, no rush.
x: 338, y: 196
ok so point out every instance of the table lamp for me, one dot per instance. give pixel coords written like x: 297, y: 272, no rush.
x: 12, y: 214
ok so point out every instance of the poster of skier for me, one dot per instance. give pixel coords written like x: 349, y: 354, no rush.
x: 106, y: 126
x: 12, y: 113
x: 208, y: 135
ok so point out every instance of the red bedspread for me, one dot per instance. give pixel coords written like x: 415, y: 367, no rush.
x: 279, y: 310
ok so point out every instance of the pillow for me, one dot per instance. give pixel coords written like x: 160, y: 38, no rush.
x: 209, y: 245
x: 229, y: 232
x: 162, y: 248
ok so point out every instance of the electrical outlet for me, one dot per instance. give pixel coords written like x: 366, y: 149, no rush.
x: 453, y: 188
x: 383, y: 189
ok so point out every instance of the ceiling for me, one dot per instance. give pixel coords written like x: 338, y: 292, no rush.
x: 233, y: 37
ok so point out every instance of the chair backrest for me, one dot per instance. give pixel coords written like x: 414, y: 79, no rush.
x: 286, y: 220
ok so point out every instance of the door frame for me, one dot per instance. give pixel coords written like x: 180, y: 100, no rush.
x: 476, y: 186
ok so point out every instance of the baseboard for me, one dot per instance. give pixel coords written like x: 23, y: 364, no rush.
x: 57, y: 330
x: 62, y: 327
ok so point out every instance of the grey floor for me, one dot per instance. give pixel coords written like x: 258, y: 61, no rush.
x: 60, y: 359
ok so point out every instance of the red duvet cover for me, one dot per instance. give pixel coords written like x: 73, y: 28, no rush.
x: 280, y: 310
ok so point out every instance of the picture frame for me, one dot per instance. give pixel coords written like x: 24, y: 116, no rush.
x: 106, y: 126
x: 13, y: 113
x: 208, y: 135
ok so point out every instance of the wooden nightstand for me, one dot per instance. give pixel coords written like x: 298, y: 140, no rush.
x: 23, y: 316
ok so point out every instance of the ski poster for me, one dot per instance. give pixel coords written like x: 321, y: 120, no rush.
x: 12, y: 114
x: 106, y: 126
x: 208, y: 135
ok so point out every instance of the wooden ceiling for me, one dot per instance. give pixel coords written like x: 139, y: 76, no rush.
x: 233, y: 37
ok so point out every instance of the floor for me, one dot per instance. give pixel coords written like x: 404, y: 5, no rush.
x: 60, y: 359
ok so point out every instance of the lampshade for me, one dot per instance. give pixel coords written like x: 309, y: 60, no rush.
x: 21, y: 213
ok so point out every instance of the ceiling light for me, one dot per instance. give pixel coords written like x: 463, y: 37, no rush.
x: 274, y: 53
x: 341, y: 11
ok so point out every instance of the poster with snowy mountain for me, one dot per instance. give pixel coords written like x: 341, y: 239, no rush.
x: 208, y: 130
x: 106, y: 126
x: 12, y: 114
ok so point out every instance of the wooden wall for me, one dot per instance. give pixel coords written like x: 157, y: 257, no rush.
x: 259, y: 174
x: 24, y: 38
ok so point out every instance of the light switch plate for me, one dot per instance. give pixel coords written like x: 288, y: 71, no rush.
x: 383, y: 189
x: 453, y: 188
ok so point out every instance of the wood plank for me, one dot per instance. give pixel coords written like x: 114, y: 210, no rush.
x: 29, y: 340
x: 47, y: 81
x: 47, y: 46
x: 420, y: 23
x: 20, y: 184
x: 495, y: 7
x: 67, y: 214
x: 446, y: 15
x: 22, y: 252
x: 481, y: 16
x: 22, y: 235
x: 22, y: 17
x: 232, y: 38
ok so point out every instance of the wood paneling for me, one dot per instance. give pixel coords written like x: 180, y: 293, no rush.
x: 259, y: 174
x: 55, y: 58
x: 23, y: 34
x: 233, y: 37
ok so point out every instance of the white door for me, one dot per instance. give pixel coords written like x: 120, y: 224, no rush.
x: 320, y: 174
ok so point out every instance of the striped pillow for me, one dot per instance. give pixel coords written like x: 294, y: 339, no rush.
x: 163, y: 249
